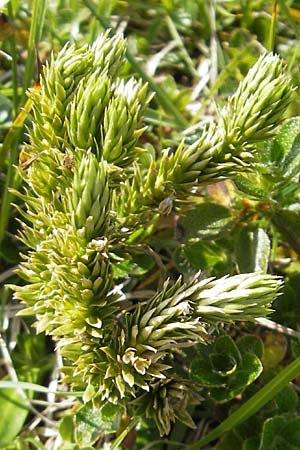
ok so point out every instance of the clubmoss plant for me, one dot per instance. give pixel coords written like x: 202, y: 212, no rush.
x: 87, y: 193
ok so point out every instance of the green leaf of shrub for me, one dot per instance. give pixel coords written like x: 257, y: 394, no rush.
x: 222, y: 364
x: 201, y: 372
x: 230, y: 441
x: 286, y: 307
x: 247, y: 185
x: 251, y: 443
x: 287, y: 399
x: 251, y: 344
x: 249, y: 369
x: 252, y: 250
x: 225, y: 344
x: 227, y: 368
x: 291, y: 164
x: 282, y: 143
x: 288, y: 223
x: 206, y: 220
x: 138, y: 266
x: 200, y: 255
x: 66, y: 428
x: 245, y: 374
x: 281, y: 432
x: 90, y: 422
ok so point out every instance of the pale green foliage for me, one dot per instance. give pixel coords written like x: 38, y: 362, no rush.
x: 257, y: 107
x: 168, y: 401
x: 224, y: 149
x: 240, y: 297
x: 88, y: 191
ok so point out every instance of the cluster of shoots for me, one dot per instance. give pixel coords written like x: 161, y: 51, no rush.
x: 87, y: 190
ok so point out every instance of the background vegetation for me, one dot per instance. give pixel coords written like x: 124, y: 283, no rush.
x: 193, y: 54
